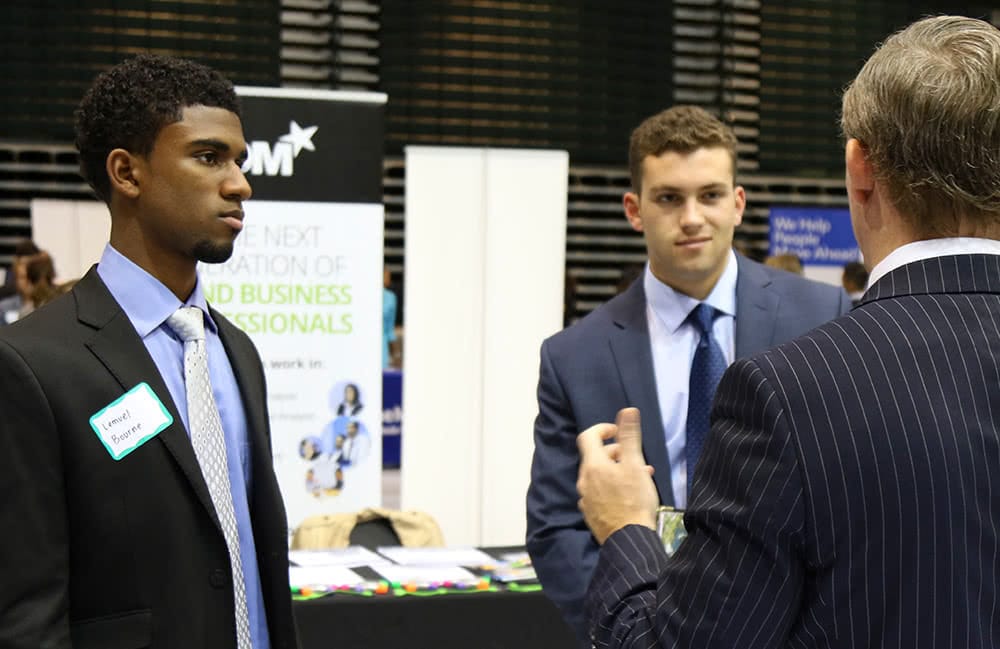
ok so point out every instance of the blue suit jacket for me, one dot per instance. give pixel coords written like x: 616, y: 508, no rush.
x: 848, y: 492
x: 604, y: 363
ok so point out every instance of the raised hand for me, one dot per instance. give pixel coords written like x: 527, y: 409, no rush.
x: 614, y: 483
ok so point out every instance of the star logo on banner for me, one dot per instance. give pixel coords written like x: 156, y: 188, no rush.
x: 300, y: 138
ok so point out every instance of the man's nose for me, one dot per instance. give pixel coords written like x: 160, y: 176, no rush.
x: 691, y: 216
x: 236, y: 185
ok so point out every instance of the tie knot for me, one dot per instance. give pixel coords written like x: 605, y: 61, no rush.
x: 188, y: 323
x: 702, y: 317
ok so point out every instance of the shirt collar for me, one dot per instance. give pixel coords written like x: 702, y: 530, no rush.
x: 143, y: 298
x: 920, y: 250
x: 672, y: 307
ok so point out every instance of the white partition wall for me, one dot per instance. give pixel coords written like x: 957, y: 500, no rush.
x: 485, y: 261
x: 525, y: 268
x: 443, y: 339
x: 73, y: 232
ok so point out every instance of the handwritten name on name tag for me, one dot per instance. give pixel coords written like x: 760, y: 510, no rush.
x: 130, y: 421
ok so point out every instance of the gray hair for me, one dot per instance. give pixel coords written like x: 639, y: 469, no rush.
x: 926, y: 108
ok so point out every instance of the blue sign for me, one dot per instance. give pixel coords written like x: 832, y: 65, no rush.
x: 819, y: 236
x: 392, y: 416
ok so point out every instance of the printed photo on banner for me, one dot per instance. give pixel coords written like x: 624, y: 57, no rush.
x: 348, y: 399
x: 344, y: 444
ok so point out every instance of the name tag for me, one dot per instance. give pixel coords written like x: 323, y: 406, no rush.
x: 130, y: 421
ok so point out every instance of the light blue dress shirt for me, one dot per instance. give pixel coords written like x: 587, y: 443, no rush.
x: 148, y: 304
x: 673, y: 342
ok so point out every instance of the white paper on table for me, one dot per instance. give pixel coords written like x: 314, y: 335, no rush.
x: 437, y: 556
x: 352, y: 556
x: 424, y: 574
x: 323, y: 576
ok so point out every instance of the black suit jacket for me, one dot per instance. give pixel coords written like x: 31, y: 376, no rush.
x: 603, y: 364
x: 849, y: 491
x: 129, y: 553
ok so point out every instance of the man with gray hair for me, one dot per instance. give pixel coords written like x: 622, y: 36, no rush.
x: 848, y: 492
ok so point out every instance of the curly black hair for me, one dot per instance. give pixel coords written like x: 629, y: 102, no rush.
x: 128, y: 105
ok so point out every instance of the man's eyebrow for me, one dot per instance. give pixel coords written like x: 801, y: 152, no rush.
x: 218, y: 145
x: 211, y: 142
x: 671, y: 188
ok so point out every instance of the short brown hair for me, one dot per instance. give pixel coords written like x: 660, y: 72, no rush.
x: 681, y: 129
x: 855, y: 276
x: 926, y: 109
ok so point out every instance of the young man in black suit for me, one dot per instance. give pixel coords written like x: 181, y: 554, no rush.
x: 847, y: 495
x: 116, y: 531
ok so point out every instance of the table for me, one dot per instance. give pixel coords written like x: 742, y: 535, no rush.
x: 487, y: 620
x: 480, y: 620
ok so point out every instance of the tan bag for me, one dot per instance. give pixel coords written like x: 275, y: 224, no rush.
x: 414, y: 529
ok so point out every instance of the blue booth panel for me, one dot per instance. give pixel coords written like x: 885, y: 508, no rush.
x: 392, y: 416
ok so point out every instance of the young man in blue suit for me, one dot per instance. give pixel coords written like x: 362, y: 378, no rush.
x: 637, y: 349
x: 140, y: 511
x: 848, y: 493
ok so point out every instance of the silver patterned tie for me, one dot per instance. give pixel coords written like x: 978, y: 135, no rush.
x: 209, y: 444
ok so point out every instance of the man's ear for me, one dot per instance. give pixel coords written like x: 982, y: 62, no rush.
x: 630, y: 201
x: 740, y: 199
x: 860, y: 173
x: 862, y: 189
x: 123, y: 172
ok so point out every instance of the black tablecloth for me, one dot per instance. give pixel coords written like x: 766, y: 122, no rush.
x: 487, y: 620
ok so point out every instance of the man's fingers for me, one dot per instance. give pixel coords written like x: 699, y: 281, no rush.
x: 629, y: 436
x: 591, y: 441
x: 614, y: 452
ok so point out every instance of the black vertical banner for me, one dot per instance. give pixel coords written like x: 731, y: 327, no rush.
x: 314, y: 145
x: 305, y: 283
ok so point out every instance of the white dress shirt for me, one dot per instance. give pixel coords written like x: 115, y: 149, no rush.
x: 919, y: 250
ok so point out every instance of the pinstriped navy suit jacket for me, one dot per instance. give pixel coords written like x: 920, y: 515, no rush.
x: 849, y: 492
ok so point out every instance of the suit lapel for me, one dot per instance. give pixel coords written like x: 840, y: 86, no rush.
x: 756, y: 309
x: 630, y: 347
x: 243, y: 360
x: 118, y: 347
